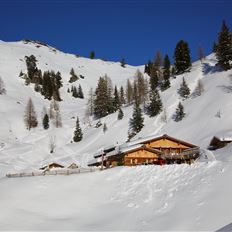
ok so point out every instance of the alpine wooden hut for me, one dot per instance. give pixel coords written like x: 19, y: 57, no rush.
x: 153, y: 150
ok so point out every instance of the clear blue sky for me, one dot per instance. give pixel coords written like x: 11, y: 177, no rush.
x: 116, y: 29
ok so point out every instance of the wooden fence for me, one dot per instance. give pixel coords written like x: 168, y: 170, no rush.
x: 52, y: 172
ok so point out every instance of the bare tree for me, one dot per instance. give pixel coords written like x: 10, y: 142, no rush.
x: 201, y: 54
x: 57, y: 116
x: 52, y: 144
x: 199, y: 89
x: 30, y: 117
x: 2, y: 87
x: 164, y: 116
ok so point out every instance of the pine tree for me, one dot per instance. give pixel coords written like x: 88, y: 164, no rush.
x: 92, y: 55
x: 101, y: 100
x: 116, y: 99
x: 180, y: 114
x: 78, y: 135
x: 80, y: 92
x: 30, y: 117
x: 166, y: 73
x: 129, y: 92
x: 184, y: 90
x: 122, y: 96
x: 74, y: 92
x: 224, y: 47
x: 154, y: 78
x: 136, y: 122
x: 148, y: 68
x: 155, y: 104
x: 182, y: 57
x: 123, y: 63
x: 46, y: 122
x: 120, y: 114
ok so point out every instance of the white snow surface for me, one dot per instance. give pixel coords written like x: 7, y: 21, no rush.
x: 173, y: 197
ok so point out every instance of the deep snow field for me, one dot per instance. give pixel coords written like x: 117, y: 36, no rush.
x: 174, y: 197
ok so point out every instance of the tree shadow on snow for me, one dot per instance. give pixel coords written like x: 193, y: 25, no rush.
x: 209, y: 69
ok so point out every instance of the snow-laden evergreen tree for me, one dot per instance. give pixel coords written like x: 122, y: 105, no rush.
x: 46, y: 122
x: 182, y: 57
x: 2, y: 87
x: 103, y: 102
x: 73, y: 77
x: 74, y: 92
x: 166, y: 73
x: 78, y: 135
x: 224, y: 47
x: 180, y: 114
x: 136, y: 122
x: 155, y: 105
x: 30, y: 117
x: 184, y: 90
x: 120, y: 114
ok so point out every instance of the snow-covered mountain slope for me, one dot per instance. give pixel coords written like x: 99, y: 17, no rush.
x: 178, y: 197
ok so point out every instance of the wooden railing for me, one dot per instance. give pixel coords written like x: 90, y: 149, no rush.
x: 52, y: 172
x: 191, y: 153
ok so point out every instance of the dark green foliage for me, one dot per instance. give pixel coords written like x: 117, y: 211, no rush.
x: 34, y: 75
x: 92, y: 55
x: 103, y: 102
x: 224, y: 48
x: 184, y: 90
x: 80, y: 92
x: 154, y: 78
x: 136, y: 122
x: 182, y: 57
x: 180, y: 114
x: 78, y: 135
x: 148, y: 68
x: 46, y: 122
x: 68, y: 90
x: 214, y: 47
x: 120, y: 114
x: 123, y: 63
x: 116, y: 99
x: 74, y: 92
x: 166, y: 73
x: 129, y: 92
x: 21, y: 74
x: 98, y: 124
x: 155, y: 105
x: 122, y: 97
x: 51, y: 84
x: 73, y: 77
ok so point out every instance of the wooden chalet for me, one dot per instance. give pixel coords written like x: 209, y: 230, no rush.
x: 51, y: 166
x: 154, y: 150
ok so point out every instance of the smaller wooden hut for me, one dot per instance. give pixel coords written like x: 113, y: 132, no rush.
x: 73, y: 166
x: 218, y: 142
